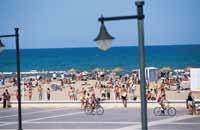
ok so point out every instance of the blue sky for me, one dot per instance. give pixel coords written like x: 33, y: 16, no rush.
x: 73, y: 23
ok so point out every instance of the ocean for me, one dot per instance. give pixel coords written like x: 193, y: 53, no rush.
x: 177, y: 56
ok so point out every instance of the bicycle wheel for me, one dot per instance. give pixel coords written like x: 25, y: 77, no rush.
x: 157, y: 111
x: 171, y: 111
x: 88, y: 110
x: 99, y: 110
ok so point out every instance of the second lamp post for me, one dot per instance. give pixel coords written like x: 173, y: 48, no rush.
x: 104, y: 40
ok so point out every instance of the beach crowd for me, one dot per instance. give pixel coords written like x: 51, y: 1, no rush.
x: 105, y: 85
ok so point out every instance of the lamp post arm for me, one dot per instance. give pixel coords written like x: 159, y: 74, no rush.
x: 118, y: 18
x: 4, y: 36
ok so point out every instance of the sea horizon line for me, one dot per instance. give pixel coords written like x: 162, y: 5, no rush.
x: 148, y: 45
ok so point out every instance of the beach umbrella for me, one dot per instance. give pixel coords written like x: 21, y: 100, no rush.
x: 135, y: 70
x: 187, y: 69
x: 96, y: 70
x: 178, y: 70
x: 72, y: 71
x: 117, y: 69
x: 84, y: 73
x: 166, y: 69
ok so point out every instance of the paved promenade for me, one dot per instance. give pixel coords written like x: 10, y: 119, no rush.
x: 68, y: 116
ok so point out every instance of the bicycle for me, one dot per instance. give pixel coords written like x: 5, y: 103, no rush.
x: 167, y: 111
x: 97, y: 109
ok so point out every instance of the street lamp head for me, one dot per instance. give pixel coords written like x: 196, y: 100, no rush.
x: 139, y: 2
x: 2, y: 46
x: 103, y: 39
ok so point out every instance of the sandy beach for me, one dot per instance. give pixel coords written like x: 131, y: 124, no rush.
x: 63, y: 92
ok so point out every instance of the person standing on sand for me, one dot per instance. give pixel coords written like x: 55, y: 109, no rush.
x: 83, y: 98
x: 40, y: 92
x: 70, y: 93
x: 48, y: 94
x: 30, y: 91
x: 117, y: 92
x: 178, y: 86
x: 108, y: 92
x: 132, y: 90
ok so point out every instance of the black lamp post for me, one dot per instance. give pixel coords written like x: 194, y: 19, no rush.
x: 2, y: 46
x: 104, y: 40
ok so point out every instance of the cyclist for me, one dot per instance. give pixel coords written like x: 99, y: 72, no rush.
x: 93, y: 101
x: 162, y: 101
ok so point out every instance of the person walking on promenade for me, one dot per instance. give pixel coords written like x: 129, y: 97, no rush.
x: 6, y: 99
x: 124, y: 95
x: 190, y: 103
x: 40, y: 92
x: 48, y: 94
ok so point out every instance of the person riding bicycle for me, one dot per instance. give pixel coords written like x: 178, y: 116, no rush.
x: 162, y: 101
x: 93, y: 101
x: 94, y: 106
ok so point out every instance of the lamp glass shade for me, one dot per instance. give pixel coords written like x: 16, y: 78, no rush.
x: 103, y: 39
x: 104, y: 44
x: 2, y: 46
